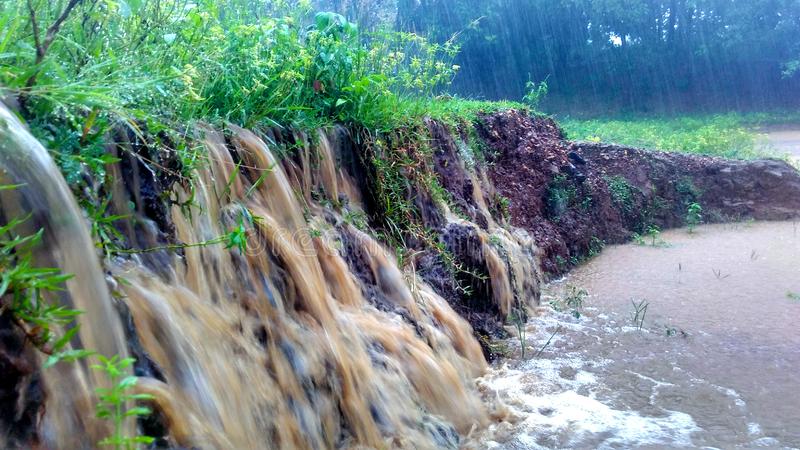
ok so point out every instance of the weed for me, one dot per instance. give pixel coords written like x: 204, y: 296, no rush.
x: 639, y: 312
x: 573, y: 301
x: 504, y: 206
x: 693, y: 216
x: 561, y: 194
x: 535, y: 92
x: 719, y: 275
x: 402, y: 255
x: 546, y: 344
x: 621, y: 192
x: 495, y: 240
x: 357, y: 219
x: 561, y: 263
x: 596, y: 246
x: 688, y: 191
x: 518, y: 318
x: 651, y: 238
x: 114, y: 400
x: 235, y: 238
x: 793, y: 296
x: 672, y: 331
x: 24, y: 291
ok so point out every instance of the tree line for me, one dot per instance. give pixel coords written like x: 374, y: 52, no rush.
x: 622, y: 55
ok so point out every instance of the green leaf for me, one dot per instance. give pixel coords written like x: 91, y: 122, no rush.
x: 138, y: 411
x: 127, y: 382
x: 141, y: 397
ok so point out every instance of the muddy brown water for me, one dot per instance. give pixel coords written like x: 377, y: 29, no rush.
x: 714, y: 365
x: 784, y: 139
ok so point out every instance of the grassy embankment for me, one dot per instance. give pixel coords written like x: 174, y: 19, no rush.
x: 730, y: 135
x: 79, y: 72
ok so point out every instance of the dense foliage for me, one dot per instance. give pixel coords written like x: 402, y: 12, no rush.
x: 621, y: 54
x: 80, y: 67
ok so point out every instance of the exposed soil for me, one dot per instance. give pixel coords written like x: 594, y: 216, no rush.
x: 574, y: 197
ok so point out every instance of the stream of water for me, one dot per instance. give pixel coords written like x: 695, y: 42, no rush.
x: 714, y: 364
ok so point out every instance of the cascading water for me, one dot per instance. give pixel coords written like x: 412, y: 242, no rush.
x: 314, y: 334
x: 283, y: 345
x: 43, y: 194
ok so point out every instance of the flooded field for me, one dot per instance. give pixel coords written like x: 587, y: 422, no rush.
x: 693, y: 342
x: 785, y: 139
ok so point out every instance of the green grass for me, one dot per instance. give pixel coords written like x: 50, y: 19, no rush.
x: 730, y: 135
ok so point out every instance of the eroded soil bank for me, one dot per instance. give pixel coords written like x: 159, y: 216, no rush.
x: 713, y: 364
x: 378, y: 274
x: 573, y: 197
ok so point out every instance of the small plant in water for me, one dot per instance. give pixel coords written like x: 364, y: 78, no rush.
x: 550, y: 339
x: 793, y: 296
x: 639, y: 313
x: 114, y: 400
x: 672, y: 331
x: 518, y: 318
x: 596, y: 245
x: 694, y: 216
x: 573, y: 301
x: 652, y: 237
x: 718, y: 273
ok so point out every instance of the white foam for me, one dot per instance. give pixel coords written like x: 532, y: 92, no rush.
x: 580, y: 420
x: 560, y: 410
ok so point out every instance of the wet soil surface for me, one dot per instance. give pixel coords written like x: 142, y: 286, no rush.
x: 713, y: 365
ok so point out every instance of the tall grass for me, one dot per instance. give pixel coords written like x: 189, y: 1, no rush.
x: 78, y: 68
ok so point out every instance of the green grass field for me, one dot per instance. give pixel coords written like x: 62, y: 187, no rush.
x: 730, y: 135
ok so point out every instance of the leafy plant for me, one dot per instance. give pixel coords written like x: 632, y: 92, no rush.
x: 24, y: 292
x: 573, y: 301
x: 687, y: 190
x: 694, y: 216
x: 621, y: 192
x: 113, y: 404
x: 596, y: 246
x: 504, y: 206
x: 535, y: 92
x: 653, y: 233
x: 561, y: 194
